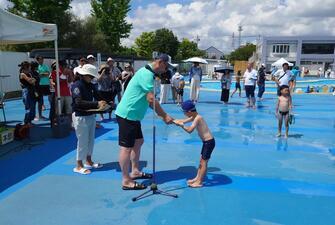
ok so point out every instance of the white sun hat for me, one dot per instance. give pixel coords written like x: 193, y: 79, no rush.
x: 90, y: 56
x: 88, y: 69
x: 196, y: 60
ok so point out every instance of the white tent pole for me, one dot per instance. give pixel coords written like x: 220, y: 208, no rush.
x: 57, y: 79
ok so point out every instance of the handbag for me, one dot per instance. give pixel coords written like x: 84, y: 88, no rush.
x: 21, y: 131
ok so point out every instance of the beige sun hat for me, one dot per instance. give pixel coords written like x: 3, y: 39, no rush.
x: 88, y: 69
x: 102, y: 67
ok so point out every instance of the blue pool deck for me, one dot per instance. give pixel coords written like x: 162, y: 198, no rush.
x: 253, y: 177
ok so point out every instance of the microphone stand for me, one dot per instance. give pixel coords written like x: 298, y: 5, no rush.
x: 153, y: 187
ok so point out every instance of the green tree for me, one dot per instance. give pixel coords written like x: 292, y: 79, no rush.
x: 111, y: 19
x: 125, y: 51
x: 144, y: 44
x: 47, y: 11
x: 86, y: 35
x: 188, y: 49
x: 165, y: 41
x: 243, y: 53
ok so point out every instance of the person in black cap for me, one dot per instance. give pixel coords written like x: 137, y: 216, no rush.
x: 129, y: 113
x: 199, y: 123
x: 261, y: 78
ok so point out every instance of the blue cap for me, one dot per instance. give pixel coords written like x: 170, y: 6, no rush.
x: 188, y: 106
x: 164, y: 57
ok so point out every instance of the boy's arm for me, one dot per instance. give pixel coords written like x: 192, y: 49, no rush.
x: 186, y: 120
x: 191, y: 128
x: 290, y: 103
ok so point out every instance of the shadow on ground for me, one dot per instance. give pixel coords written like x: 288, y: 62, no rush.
x: 188, y: 172
x: 27, y: 157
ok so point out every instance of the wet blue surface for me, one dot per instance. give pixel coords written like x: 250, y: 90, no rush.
x: 271, y: 86
x: 253, y: 177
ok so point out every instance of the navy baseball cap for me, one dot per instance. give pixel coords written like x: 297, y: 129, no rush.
x: 164, y: 57
x: 188, y: 106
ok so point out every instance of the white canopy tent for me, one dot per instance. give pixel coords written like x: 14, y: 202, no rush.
x: 279, y: 63
x: 17, y: 30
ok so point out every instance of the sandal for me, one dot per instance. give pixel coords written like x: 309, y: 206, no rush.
x: 82, y: 171
x: 94, y: 166
x: 137, y: 186
x: 143, y: 176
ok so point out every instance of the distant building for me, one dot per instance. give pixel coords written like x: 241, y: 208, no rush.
x: 214, y: 53
x: 308, y: 52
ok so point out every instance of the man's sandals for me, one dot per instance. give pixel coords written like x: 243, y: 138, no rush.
x: 143, y: 176
x: 136, y: 186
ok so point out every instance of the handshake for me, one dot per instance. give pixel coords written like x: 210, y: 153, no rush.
x: 179, y: 123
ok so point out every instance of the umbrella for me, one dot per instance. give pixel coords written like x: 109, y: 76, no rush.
x: 173, y: 65
x: 221, y: 69
x: 196, y: 60
x: 280, y: 62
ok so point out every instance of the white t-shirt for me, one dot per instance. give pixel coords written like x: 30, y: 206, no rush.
x: 250, y: 77
x: 176, y: 79
x: 284, y: 77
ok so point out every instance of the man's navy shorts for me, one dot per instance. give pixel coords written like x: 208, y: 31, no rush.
x: 129, y: 131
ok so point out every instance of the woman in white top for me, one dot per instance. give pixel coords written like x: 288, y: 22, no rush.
x: 195, y: 79
x: 127, y: 74
x: 250, y: 78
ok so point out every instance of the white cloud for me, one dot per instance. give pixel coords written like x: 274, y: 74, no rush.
x: 215, y: 21
x: 81, y: 8
x: 4, y: 4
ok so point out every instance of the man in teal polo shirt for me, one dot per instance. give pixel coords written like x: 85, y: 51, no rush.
x: 130, y: 111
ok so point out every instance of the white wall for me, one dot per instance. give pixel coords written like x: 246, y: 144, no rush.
x: 139, y: 63
x: 291, y: 56
x: 208, y: 69
x: 9, y: 62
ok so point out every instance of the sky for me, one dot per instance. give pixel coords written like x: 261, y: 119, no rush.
x: 214, y: 21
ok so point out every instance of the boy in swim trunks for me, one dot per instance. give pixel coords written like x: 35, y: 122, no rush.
x: 199, y: 123
x: 283, y: 108
x: 237, y: 84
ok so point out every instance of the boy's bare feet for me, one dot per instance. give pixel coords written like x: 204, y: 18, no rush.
x: 279, y: 134
x: 189, y: 182
x: 196, y: 184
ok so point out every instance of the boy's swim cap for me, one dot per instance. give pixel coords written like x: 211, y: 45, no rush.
x: 188, y: 106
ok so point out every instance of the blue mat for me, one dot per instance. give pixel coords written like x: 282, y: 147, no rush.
x: 253, y: 177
